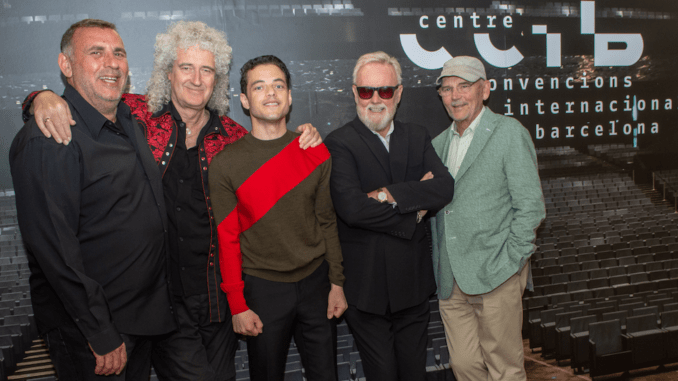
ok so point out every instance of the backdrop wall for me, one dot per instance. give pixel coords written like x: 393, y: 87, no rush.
x: 574, y: 73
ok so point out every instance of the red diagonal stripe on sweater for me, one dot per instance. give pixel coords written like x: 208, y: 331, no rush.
x: 279, y: 175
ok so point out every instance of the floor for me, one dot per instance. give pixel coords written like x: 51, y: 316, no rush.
x: 539, y: 369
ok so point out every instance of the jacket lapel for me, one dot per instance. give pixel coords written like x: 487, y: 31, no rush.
x: 150, y: 167
x: 480, y: 137
x: 374, y: 143
x: 398, y: 149
x: 441, y: 144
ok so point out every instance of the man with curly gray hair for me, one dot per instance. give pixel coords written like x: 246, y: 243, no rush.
x: 184, y: 35
x: 183, y: 118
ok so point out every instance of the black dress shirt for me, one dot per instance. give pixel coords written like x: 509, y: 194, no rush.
x: 189, y: 220
x: 93, y: 219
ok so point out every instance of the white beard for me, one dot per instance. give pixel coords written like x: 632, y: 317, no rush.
x: 376, y: 125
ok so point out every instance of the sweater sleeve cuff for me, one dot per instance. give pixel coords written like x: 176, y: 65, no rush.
x: 26, y: 105
x: 336, y: 275
x: 235, y: 296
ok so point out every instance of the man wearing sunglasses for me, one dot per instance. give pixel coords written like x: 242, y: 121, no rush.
x: 385, y: 176
x: 483, y: 239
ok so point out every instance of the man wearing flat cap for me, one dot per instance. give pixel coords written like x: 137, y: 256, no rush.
x: 483, y: 239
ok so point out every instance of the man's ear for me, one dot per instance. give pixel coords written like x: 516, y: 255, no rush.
x: 65, y: 65
x: 244, y: 101
x: 486, y: 90
x: 398, y: 94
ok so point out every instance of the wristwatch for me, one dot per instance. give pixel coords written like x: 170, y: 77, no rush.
x: 381, y: 196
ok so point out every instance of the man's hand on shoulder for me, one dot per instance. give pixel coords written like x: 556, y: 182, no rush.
x: 112, y: 362
x: 53, y: 116
x: 247, y: 323
x: 336, y: 302
x: 310, y: 137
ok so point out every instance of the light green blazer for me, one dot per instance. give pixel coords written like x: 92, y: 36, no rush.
x: 487, y: 233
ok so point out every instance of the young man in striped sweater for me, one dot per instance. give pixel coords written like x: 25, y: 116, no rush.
x: 280, y: 257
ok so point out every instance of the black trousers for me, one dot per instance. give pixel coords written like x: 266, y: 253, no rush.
x: 74, y: 361
x: 287, y: 309
x: 392, y: 346
x: 199, y: 350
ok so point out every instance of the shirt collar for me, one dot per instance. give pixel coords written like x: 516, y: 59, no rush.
x: 169, y: 107
x: 173, y: 110
x: 388, y: 134
x: 471, y: 127
x: 164, y: 110
x: 212, y: 122
x: 92, y: 118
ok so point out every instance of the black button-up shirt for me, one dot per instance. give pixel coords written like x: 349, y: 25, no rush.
x: 189, y: 220
x: 93, y: 219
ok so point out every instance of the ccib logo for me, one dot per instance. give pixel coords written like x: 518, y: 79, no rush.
x: 603, y: 55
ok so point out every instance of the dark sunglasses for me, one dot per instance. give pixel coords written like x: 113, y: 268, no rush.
x: 385, y: 92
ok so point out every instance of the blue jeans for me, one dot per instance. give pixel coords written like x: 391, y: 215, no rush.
x: 74, y: 360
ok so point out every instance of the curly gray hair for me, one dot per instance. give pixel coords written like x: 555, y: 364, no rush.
x: 183, y: 35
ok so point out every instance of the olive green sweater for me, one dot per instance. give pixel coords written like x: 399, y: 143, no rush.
x: 292, y: 239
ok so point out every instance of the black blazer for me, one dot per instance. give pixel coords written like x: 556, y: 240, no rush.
x: 387, y: 255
